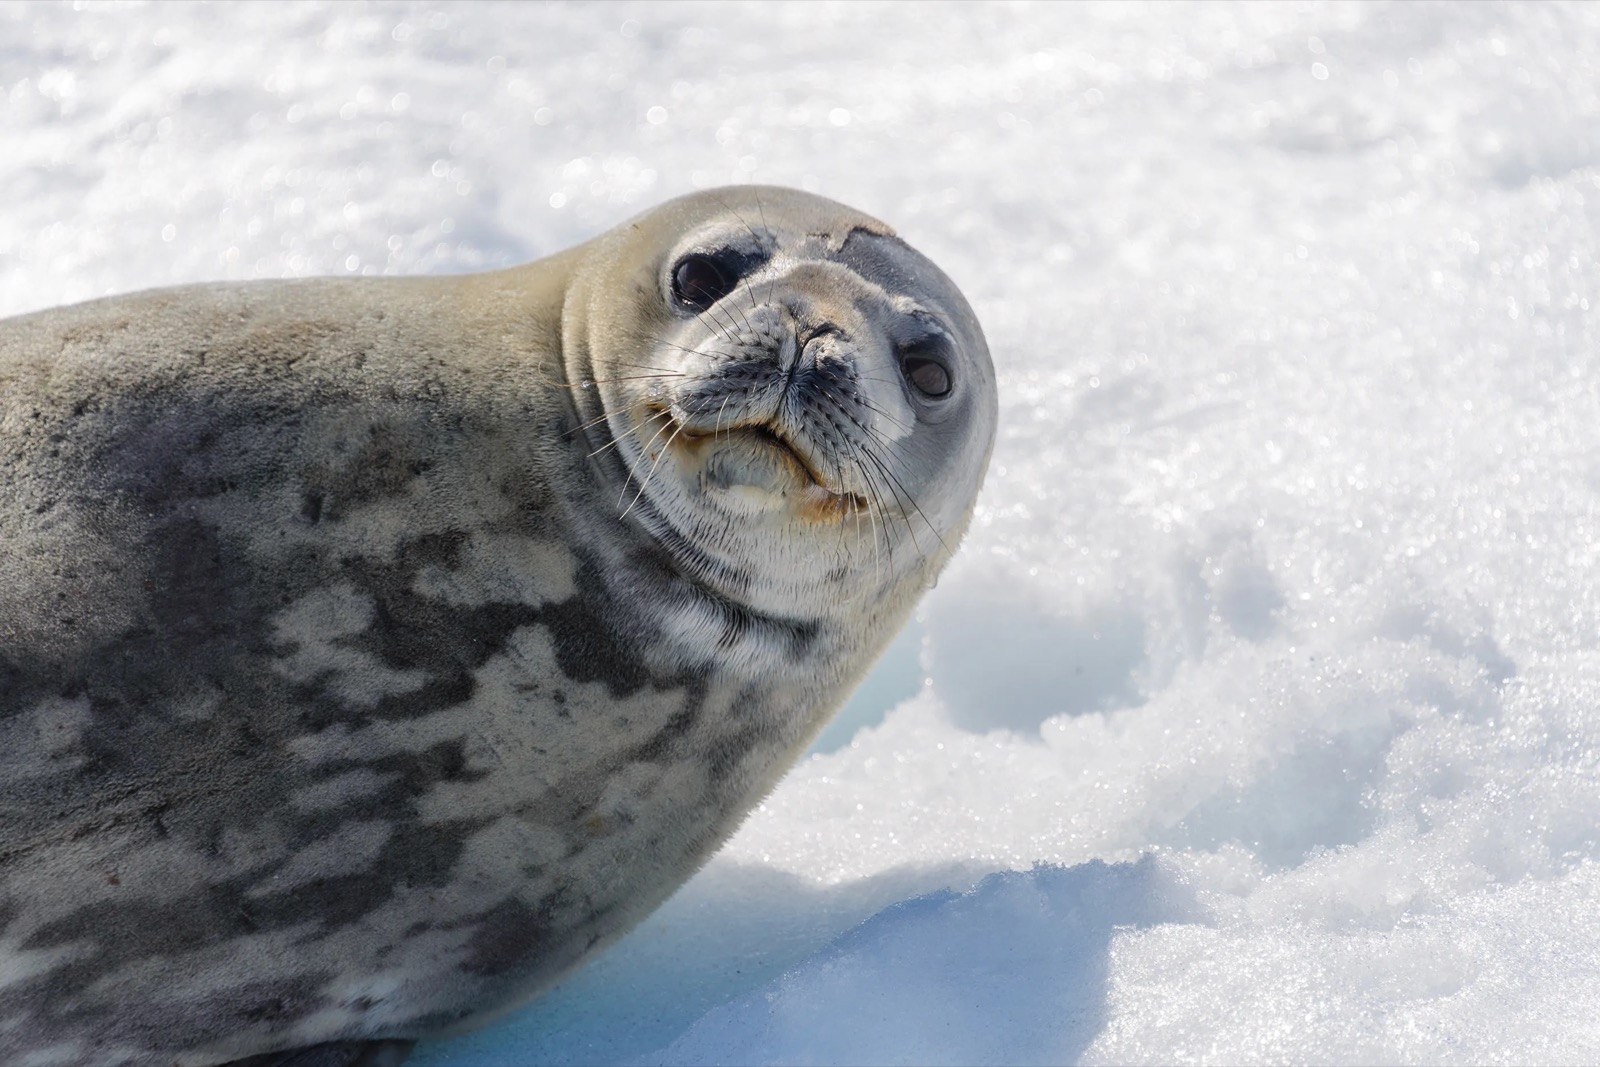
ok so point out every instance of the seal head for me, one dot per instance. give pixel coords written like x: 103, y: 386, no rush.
x: 795, y: 403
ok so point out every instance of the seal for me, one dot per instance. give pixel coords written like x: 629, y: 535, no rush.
x: 373, y: 651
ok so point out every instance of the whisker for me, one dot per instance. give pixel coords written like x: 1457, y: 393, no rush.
x: 729, y: 209
x: 622, y: 378
x: 643, y: 366
x: 880, y: 523
x: 680, y: 348
x: 727, y: 313
x: 644, y: 447
x: 649, y: 477
x: 876, y: 410
x: 589, y: 423
x: 607, y: 447
x: 909, y: 499
x: 730, y: 309
x: 716, y: 327
x: 902, y: 495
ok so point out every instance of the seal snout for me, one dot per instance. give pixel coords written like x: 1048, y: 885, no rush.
x: 787, y: 383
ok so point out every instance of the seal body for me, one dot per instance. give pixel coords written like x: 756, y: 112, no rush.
x: 372, y: 651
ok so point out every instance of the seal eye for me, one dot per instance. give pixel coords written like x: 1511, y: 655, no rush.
x: 926, y: 374
x: 698, y: 282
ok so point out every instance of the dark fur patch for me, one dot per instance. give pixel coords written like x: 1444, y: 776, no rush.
x: 190, y: 598
x: 509, y: 936
x: 127, y: 931
x: 384, y: 1053
x: 589, y: 643
x: 379, y: 463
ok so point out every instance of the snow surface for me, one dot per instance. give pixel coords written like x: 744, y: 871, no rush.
x: 1259, y: 717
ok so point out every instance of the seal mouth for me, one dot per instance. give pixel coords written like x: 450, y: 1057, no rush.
x: 760, y: 436
x: 816, y: 497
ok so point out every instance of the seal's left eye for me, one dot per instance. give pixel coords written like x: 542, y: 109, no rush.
x: 927, y: 375
x: 698, y: 281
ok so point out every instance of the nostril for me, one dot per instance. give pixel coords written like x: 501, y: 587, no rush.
x: 820, y: 343
x: 818, y: 334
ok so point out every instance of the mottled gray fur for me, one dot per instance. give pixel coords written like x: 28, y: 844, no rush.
x: 342, y: 696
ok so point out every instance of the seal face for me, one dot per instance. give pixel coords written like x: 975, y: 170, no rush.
x: 376, y: 650
x: 801, y: 408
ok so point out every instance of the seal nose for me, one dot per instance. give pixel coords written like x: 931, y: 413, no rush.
x: 822, y: 305
x: 817, y: 343
x: 825, y: 359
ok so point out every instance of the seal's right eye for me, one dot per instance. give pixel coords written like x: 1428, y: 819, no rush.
x: 698, y: 281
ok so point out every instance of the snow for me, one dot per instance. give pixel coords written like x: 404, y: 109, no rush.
x: 1259, y: 716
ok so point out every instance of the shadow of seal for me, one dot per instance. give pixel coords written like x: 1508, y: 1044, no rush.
x: 374, y: 650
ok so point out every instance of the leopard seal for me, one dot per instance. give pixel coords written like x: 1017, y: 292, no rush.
x: 373, y: 651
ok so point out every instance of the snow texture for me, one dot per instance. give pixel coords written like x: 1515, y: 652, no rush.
x: 1258, y: 719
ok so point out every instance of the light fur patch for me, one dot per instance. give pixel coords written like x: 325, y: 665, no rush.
x: 353, y: 847
x: 39, y: 741
x: 503, y: 568
x: 18, y: 964
x: 520, y: 734
x: 315, y: 625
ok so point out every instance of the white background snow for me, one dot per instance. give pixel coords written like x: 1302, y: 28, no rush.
x: 1259, y: 717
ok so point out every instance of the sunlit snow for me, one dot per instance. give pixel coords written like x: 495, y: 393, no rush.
x: 1259, y: 717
